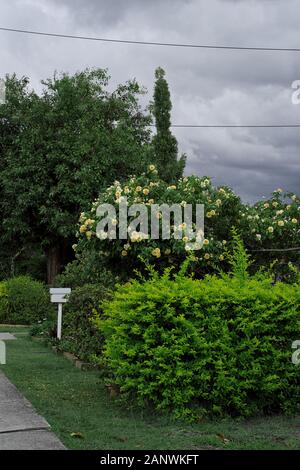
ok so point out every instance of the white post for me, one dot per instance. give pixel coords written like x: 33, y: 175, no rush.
x: 59, y: 296
x: 2, y: 352
x: 59, y: 321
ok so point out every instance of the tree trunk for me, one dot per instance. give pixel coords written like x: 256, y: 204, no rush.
x: 13, y: 261
x: 54, y: 263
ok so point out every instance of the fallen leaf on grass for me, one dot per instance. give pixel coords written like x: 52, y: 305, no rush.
x: 223, y: 438
x: 78, y: 435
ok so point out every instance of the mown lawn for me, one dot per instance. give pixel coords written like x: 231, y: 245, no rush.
x: 74, y: 401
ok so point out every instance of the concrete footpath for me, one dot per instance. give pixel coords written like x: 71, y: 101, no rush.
x: 21, y: 428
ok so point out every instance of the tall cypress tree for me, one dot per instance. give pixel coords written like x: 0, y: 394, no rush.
x: 164, y: 143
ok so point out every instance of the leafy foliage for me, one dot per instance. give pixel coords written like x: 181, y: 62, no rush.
x: 80, y: 336
x: 23, y: 301
x: 222, y: 211
x: 89, y: 268
x: 59, y: 149
x: 239, y: 259
x: 273, y: 224
x: 164, y: 143
x: 211, y: 346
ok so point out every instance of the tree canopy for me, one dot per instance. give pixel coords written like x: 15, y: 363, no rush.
x: 59, y: 149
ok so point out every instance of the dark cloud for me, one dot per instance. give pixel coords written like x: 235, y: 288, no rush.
x: 103, y: 12
x: 207, y: 86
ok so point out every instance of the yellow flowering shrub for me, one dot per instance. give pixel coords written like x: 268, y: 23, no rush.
x: 265, y: 225
x: 222, y: 209
x: 273, y: 225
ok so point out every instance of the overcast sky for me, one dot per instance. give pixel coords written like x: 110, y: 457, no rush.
x: 207, y: 86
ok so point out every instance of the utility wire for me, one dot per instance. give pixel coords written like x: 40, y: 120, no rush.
x: 229, y: 126
x: 153, y: 43
x: 225, y: 126
x: 198, y: 46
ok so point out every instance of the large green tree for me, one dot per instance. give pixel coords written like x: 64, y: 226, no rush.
x: 59, y: 149
x: 11, y: 126
x: 164, y: 143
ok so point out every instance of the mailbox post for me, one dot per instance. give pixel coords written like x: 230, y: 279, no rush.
x: 58, y: 296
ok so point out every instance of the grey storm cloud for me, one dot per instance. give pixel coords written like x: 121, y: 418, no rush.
x: 112, y: 11
x: 207, y: 86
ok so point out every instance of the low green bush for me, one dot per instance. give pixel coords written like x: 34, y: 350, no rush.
x: 3, y: 301
x: 80, y: 336
x: 23, y: 301
x: 220, y: 345
x: 46, y: 328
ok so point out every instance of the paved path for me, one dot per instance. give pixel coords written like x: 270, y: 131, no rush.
x: 21, y: 428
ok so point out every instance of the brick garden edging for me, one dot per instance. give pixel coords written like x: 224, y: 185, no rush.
x: 81, y: 365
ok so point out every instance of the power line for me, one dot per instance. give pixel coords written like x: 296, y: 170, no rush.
x: 153, y: 43
x: 199, y: 46
x: 229, y: 126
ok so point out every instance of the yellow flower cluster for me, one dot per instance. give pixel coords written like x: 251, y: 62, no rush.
x: 211, y: 213
x: 138, y: 236
x: 86, y: 225
x: 205, y: 183
x: 153, y: 169
x: 156, y: 252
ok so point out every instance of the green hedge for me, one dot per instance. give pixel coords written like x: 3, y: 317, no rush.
x: 220, y: 345
x: 23, y: 301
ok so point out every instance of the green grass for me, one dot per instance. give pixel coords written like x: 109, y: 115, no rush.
x: 74, y: 401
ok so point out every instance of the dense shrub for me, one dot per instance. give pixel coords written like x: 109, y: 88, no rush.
x: 267, y: 225
x: 3, y: 301
x: 23, y: 301
x: 222, y: 211
x: 273, y: 224
x: 45, y: 328
x: 220, y: 345
x: 90, y: 269
x: 80, y: 335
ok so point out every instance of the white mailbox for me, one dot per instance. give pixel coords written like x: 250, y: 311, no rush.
x: 59, y: 296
